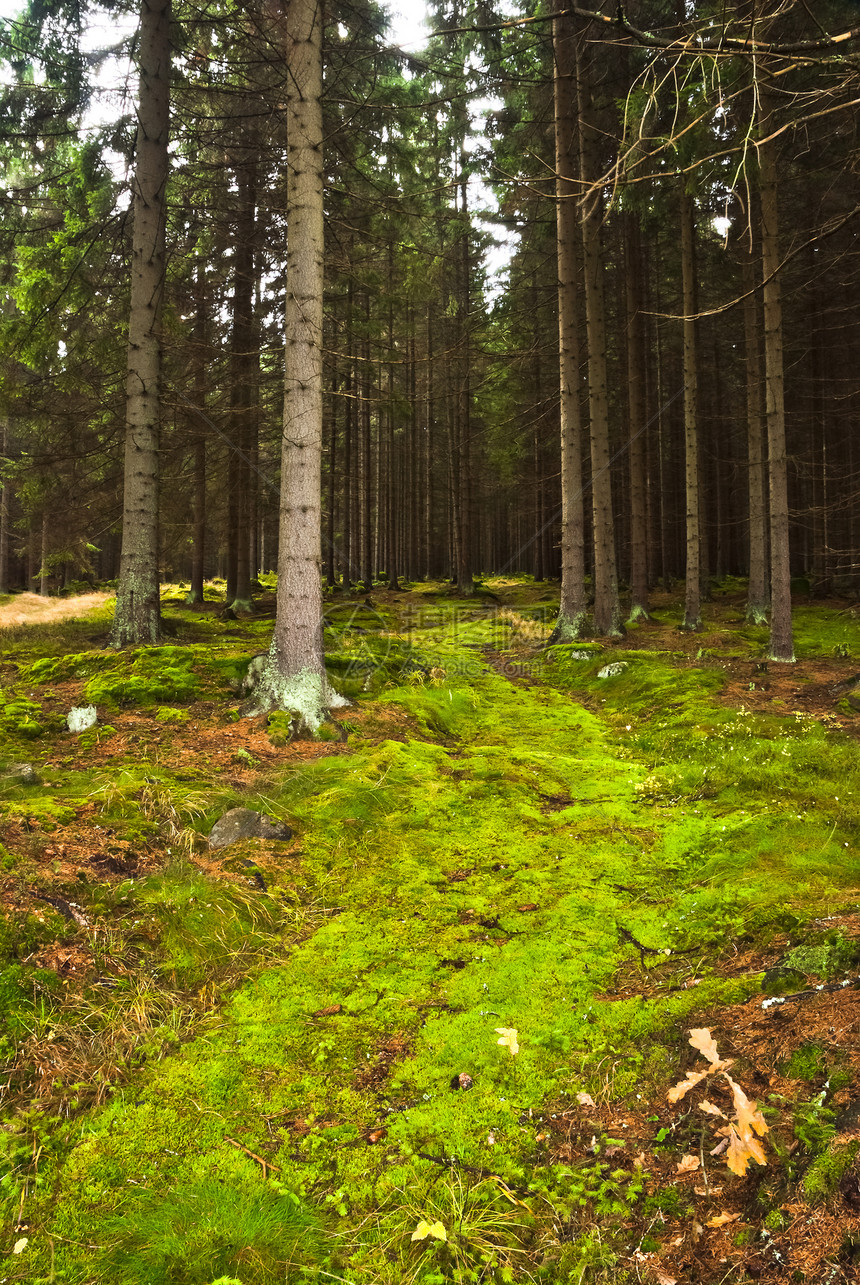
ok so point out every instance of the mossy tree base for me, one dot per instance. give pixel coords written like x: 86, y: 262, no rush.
x: 137, y: 619
x: 243, y: 604
x: 568, y: 629
x: 307, y: 696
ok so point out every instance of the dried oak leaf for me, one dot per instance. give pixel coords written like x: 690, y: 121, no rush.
x: 679, y: 1090
x: 663, y: 1278
x: 743, y: 1143
x: 742, y: 1150
x: 722, y: 1219
x: 701, y: 1039
x: 710, y: 1109
x: 750, y: 1120
x: 688, y: 1164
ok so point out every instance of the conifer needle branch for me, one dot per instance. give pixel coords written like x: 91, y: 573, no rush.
x: 688, y: 43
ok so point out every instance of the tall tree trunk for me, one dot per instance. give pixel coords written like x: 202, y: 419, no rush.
x: 429, y: 431
x: 693, y: 596
x: 781, y: 639
x: 573, y: 607
x: 4, y: 510
x: 636, y: 403
x: 393, y: 490
x: 758, y: 598
x: 198, y: 546
x: 242, y: 359
x: 137, y: 619
x: 347, y: 548
x: 607, y: 610
x: 294, y: 676
x: 331, y: 569
x: 465, y: 578
x: 43, y: 560
x: 365, y: 444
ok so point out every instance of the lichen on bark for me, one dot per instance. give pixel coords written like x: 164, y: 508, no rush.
x: 568, y: 628
x: 308, y: 695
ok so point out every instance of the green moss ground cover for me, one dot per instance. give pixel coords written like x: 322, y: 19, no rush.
x: 321, y: 1069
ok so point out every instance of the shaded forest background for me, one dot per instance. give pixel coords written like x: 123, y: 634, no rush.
x: 687, y: 124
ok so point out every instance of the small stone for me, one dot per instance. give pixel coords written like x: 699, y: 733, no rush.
x: 81, y: 717
x: 783, y: 980
x: 462, y: 1081
x: 612, y: 671
x: 22, y: 774
x: 244, y: 823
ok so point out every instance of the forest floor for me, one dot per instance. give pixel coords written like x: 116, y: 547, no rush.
x: 432, y: 1037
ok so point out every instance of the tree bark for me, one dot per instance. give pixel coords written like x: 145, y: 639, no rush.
x: 607, y: 610
x: 137, y: 619
x: 781, y: 638
x: 4, y: 510
x: 463, y: 464
x: 242, y: 382
x: 43, y: 560
x: 366, y: 461
x: 693, y: 596
x: 294, y: 676
x: 198, y: 547
x: 636, y: 403
x: 573, y: 607
x: 758, y: 598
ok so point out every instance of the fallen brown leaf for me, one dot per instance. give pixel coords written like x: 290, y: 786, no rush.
x: 701, y: 1039
x: 722, y: 1219
x: 662, y: 1277
x: 742, y: 1150
x: 679, y: 1090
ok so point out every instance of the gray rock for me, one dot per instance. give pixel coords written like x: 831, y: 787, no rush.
x: 580, y: 655
x: 243, y: 823
x: 782, y: 980
x: 612, y: 671
x: 22, y: 774
x: 80, y: 717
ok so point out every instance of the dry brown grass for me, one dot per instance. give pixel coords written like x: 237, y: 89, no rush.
x: 31, y: 609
